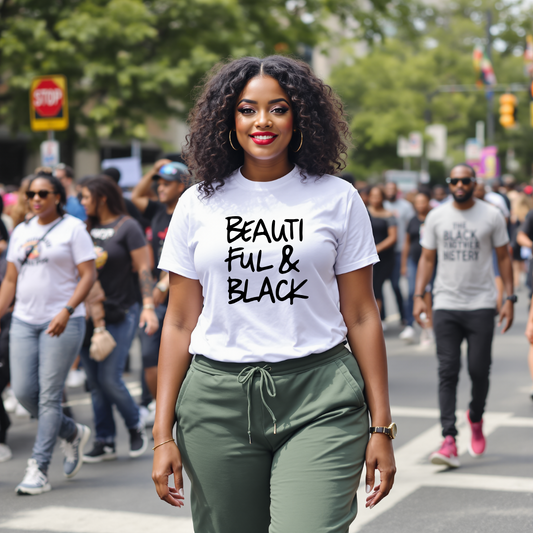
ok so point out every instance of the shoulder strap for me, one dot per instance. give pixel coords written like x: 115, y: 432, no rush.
x: 39, y: 241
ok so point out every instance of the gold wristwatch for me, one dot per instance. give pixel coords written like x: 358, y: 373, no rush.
x: 391, y: 431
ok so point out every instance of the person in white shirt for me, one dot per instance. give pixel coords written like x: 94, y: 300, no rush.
x: 50, y: 270
x: 270, y: 259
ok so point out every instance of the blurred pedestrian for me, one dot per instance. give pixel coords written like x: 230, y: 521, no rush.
x: 21, y: 209
x: 50, y: 269
x: 403, y: 212
x: 131, y: 208
x: 463, y: 233
x: 411, y: 253
x: 295, y: 243
x: 65, y: 175
x: 122, y: 252
x: 171, y: 179
x: 385, y: 231
x: 440, y: 196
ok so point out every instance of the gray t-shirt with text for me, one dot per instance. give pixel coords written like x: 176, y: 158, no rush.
x: 464, y: 240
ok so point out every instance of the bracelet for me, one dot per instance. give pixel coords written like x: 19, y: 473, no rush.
x: 419, y: 295
x: 149, y: 306
x: 99, y: 329
x: 161, y: 444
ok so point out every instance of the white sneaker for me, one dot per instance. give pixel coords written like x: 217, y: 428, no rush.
x: 407, y: 334
x: 427, y: 338
x: 10, y: 402
x: 73, y: 451
x: 5, y: 453
x: 75, y: 378
x: 34, y: 482
x: 146, y: 416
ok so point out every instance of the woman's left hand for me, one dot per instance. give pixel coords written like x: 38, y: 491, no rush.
x: 149, y: 321
x: 379, y: 456
x: 58, y: 323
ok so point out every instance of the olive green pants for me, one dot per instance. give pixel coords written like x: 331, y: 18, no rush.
x: 274, y: 447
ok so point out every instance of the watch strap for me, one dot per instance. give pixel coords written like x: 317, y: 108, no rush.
x: 381, y: 429
x: 69, y: 309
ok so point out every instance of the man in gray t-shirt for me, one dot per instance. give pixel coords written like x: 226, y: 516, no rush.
x: 463, y: 234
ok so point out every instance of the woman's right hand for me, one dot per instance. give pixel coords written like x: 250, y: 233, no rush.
x: 167, y: 462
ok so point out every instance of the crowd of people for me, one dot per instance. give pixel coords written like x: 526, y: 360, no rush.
x: 77, y: 286
x: 264, y: 274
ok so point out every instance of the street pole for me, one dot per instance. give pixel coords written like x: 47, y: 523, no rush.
x: 490, y: 94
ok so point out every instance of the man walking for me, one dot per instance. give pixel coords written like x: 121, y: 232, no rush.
x: 171, y: 179
x: 404, y: 212
x: 463, y: 233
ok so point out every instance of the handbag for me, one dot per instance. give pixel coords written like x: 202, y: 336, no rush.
x: 102, y: 344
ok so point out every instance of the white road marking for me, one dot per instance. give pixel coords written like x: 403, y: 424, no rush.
x: 81, y: 520
x: 415, y: 471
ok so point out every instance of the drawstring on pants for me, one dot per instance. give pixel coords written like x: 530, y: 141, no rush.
x: 246, y: 377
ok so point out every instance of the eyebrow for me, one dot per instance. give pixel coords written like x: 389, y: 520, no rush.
x: 271, y: 101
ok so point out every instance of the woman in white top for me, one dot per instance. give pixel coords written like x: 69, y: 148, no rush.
x: 270, y: 260
x: 50, y: 270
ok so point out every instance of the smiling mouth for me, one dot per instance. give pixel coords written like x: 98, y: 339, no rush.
x: 266, y: 138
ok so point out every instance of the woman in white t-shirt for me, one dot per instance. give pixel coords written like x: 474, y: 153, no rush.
x: 50, y: 270
x: 270, y: 260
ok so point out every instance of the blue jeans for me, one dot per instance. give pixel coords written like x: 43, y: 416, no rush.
x: 150, y: 343
x: 39, y: 367
x: 105, y: 380
x: 411, y: 280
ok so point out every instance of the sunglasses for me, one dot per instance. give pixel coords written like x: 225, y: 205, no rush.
x: 41, y: 194
x: 464, y: 181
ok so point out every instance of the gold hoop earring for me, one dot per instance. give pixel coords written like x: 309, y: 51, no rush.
x: 301, y: 141
x: 236, y: 149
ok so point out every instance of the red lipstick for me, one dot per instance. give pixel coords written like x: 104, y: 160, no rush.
x: 263, y: 138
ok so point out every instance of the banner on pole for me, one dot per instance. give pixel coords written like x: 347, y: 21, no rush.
x: 49, y: 153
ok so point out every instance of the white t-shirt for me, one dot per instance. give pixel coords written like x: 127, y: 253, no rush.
x: 48, y: 279
x: 267, y: 256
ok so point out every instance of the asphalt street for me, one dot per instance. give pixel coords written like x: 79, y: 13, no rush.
x: 492, y: 494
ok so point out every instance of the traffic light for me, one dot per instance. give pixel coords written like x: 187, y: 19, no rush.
x: 508, y: 110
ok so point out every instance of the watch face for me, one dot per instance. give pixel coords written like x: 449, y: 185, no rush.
x: 394, y: 430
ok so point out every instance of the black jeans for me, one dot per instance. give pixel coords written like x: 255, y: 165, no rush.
x: 451, y: 328
x: 5, y: 323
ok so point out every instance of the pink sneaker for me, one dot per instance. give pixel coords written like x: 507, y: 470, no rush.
x: 447, y: 455
x: 477, y: 443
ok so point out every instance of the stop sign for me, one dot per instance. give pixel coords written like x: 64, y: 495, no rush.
x: 48, y: 99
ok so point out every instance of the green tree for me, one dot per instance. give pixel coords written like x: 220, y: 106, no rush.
x: 387, y: 91
x: 126, y: 60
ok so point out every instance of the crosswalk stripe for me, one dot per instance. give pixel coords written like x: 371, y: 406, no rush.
x: 81, y: 520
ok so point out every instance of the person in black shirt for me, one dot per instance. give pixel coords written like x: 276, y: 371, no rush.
x: 123, y: 261
x: 385, y: 231
x: 171, y: 179
x: 410, y: 255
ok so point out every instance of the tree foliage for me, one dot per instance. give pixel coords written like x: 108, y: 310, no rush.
x: 388, y: 91
x: 129, y: 59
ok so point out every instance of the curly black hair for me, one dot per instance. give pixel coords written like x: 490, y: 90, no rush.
x: 318, y: 114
